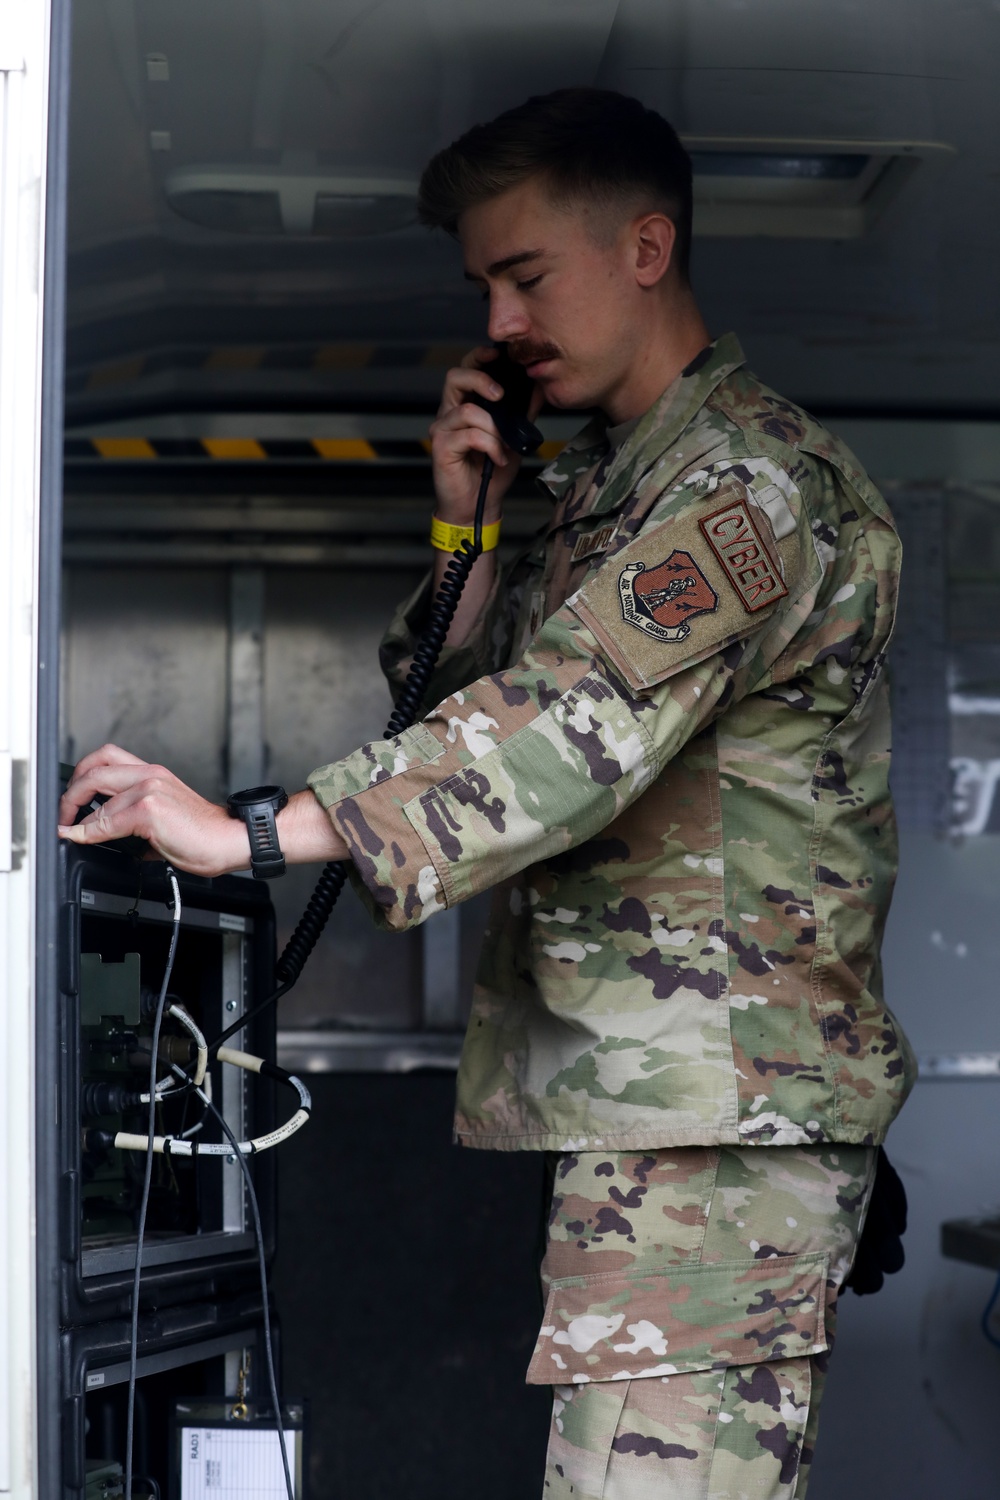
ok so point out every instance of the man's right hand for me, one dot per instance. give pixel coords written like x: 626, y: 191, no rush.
x: 150, y: 802
x: 460, y: 435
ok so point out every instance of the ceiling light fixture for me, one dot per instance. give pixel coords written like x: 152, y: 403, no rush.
x: 813, y: 189
x: 780, y: 188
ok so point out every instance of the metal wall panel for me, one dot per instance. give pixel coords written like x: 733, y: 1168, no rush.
x: 144, y: 665
x: 323, y: 697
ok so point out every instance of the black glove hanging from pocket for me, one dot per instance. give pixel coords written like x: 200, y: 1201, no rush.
x: 880, y: 1249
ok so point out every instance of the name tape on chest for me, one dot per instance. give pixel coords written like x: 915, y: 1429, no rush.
x: 594, y: 543
x: 746, y: 560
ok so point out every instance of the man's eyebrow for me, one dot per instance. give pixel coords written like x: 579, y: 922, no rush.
x: 499, y: 266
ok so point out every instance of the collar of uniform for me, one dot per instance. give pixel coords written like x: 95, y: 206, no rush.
x: 661, y: 426
x: 581, y: 453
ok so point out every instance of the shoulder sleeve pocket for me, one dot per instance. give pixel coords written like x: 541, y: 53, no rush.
x: 712, y: 574
x: 619, y: 1326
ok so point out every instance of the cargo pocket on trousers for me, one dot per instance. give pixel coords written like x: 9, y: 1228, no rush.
x: 615, y: 1326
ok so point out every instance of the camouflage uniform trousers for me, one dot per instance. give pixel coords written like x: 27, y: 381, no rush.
x: 691, y: 1297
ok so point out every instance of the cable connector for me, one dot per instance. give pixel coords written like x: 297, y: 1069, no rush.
x: 107, y: 1099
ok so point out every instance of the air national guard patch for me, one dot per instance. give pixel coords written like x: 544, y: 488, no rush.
x: 662, y: 601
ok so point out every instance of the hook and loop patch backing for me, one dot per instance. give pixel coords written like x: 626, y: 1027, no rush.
x: 688, y: 585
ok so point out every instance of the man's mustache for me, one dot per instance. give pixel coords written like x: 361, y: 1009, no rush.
x: 532, y: 354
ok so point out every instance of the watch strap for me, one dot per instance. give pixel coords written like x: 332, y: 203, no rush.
x: 258, y: 815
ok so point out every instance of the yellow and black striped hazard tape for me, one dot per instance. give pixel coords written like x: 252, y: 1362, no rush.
x: 351, y: 450
x: 87, y: 444
x: 248, y: 357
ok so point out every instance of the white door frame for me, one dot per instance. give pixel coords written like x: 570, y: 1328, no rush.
x: 30, y: 440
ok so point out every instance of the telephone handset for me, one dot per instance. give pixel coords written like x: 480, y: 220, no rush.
x: 510, y: 417
x: 510, y: 413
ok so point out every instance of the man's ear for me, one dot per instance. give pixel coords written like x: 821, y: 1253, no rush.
x: 653, y: 238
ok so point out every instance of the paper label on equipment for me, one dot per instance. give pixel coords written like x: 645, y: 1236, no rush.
x: 94, y: 1379
x: 87, y: 898
x: 231, y: 923
x: 232, y: 1463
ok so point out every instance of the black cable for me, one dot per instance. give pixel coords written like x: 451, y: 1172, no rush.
x: 262, y: 1264
x: 248, y: 1015
x: 334, y: 874
x: 442, y: 613
x: 268, y: 1071
x: 147, y: 1181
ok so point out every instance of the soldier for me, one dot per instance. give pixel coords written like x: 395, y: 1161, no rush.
x: 662, y: 737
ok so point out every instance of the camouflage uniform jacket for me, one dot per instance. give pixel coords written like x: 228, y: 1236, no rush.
x: 666, y: 745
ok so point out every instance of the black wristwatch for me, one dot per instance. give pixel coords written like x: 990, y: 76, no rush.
x: 257, y: 807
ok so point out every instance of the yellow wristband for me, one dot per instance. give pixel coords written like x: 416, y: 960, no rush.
x: 447, y: 538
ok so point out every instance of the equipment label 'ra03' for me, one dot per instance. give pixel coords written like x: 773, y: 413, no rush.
x: 746, y: 559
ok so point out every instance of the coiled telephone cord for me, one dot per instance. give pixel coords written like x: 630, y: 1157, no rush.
x: 333, y: 876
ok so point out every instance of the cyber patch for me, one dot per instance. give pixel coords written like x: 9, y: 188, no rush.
x: 663, y: 600
x: 746, y: 560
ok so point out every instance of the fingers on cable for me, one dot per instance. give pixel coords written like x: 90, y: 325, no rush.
x: 96, y: 777
x: 123, y: 786
x: 126, y: 813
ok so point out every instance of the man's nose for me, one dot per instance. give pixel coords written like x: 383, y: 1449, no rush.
x: 507, y: 319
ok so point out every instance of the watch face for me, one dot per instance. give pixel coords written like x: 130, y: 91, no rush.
x: 256, y: 794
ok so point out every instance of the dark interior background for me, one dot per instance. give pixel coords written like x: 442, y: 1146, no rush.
x: 408, y: 1292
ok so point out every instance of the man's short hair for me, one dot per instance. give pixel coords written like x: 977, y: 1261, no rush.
x: 589, y: 144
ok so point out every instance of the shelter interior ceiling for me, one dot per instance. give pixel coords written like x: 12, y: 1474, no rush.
x: 166, y: 314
